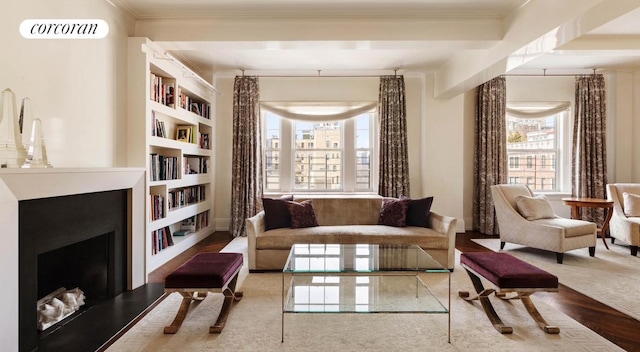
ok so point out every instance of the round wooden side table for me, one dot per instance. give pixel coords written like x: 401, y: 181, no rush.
x: 607, y: 205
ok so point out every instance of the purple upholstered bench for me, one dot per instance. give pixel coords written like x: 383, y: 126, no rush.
x: 205, y: 272
x: 509, y: 275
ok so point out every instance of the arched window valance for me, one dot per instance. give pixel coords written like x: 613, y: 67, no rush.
x: 527, y: 110
x: 322, y: 112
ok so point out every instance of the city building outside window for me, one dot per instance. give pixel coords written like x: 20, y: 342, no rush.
x: 540, y: 140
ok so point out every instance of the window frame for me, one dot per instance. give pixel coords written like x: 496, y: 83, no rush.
x: 347, y: 156
x: 561, y: 161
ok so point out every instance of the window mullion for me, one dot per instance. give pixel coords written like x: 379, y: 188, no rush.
x: 286, y: 159
x: 349, y: 162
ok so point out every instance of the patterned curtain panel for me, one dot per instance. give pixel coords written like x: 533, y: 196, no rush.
x: 246, y: 174
x: 394, y: 164
x: 490, y: 166
x: 589, y: 162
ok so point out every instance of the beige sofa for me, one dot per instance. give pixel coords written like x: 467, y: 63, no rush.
x: 347, y: 221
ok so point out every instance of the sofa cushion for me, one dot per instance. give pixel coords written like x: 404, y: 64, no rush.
x: 394, y: 212
x: 631, y: 203
x: 534, y: 208
x: 284, y: 238
x: 418, y: 211
x: 302, y: 214
x: 276, y: 212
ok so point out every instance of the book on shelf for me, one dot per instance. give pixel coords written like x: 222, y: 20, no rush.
x: 156, y: 206
x: 189, y: 224
x: 182, y: 232
x: 162, y: 91
x: 204, y: 140
x: 153, y: 123
x: 161, y: 239
x: 160, y: 129
x: 162, y: 167
x: 195, y: 165
x: 188, y: 103
x: 186, y: 196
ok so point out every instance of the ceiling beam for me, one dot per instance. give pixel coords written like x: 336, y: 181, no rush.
x: 320, y: 29
x: 532, y: 31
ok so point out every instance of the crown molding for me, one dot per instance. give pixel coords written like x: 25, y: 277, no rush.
x: 317, y: 11
x: 123, y: 6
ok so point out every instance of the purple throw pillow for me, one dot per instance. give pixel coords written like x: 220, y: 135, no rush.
x: 394, y: 212
x: 302, y: 214
x: 418, y: 211
x: 276, y: 213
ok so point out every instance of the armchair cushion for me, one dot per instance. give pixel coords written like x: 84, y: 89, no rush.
x: 631, y: 204
x: 534, y: 208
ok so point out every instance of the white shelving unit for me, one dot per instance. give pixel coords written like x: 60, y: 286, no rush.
x: 155, y: 114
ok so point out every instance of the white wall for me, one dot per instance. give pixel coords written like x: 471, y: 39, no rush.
x: 78, y: 87
x: 442, y: 149
x: 623, y: 126
x: 433, y: 134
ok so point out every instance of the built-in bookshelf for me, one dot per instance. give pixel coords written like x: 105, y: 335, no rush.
x: 170, y: 132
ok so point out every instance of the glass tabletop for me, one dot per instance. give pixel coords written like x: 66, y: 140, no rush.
x: 359, y: 258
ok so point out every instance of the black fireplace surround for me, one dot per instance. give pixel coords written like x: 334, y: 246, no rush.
x: 81, y: 237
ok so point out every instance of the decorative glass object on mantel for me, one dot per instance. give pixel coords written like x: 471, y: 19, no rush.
x: 33, y: 137
x: 12, y: 151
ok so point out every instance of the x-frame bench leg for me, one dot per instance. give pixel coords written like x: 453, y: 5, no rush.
x: 483, y: 296
x: 230, y: 295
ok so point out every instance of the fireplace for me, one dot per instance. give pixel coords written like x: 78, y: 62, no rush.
x: 70, y: 241
x: 24, y: 188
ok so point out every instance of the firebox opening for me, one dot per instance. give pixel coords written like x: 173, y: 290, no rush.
x: 84, y: 265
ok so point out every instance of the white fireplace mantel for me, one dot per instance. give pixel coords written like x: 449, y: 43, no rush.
x: 24, y: 184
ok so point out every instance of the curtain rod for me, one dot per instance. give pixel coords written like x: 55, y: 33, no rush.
x: 544, y: 74
x: 186, y: 70
x: 549, y: 75
x: 395, y: 73
x: 311, y: 76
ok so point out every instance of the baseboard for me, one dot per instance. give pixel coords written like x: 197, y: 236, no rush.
x: 223, y: 224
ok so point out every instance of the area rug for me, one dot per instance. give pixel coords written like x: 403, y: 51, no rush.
x: 255, y: 325
x: 611, y: 277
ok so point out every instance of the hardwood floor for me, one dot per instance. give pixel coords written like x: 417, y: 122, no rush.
x: 613, y: 325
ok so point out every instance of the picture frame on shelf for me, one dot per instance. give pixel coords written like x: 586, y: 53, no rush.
x: 183, y: 133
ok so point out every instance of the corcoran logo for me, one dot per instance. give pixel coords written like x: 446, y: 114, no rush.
x: 64, y: 29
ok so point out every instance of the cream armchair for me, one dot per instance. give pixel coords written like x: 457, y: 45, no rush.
x: 625, y: 221
x: 529, y: 221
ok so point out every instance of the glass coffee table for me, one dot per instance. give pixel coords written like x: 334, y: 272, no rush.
x: 361, y: 278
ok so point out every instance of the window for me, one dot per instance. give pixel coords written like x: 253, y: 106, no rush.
x: 319, y: 169
x: 539, y: 139
x: 327, y: 156
x: 272, y: 153
x: 514, y: 162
